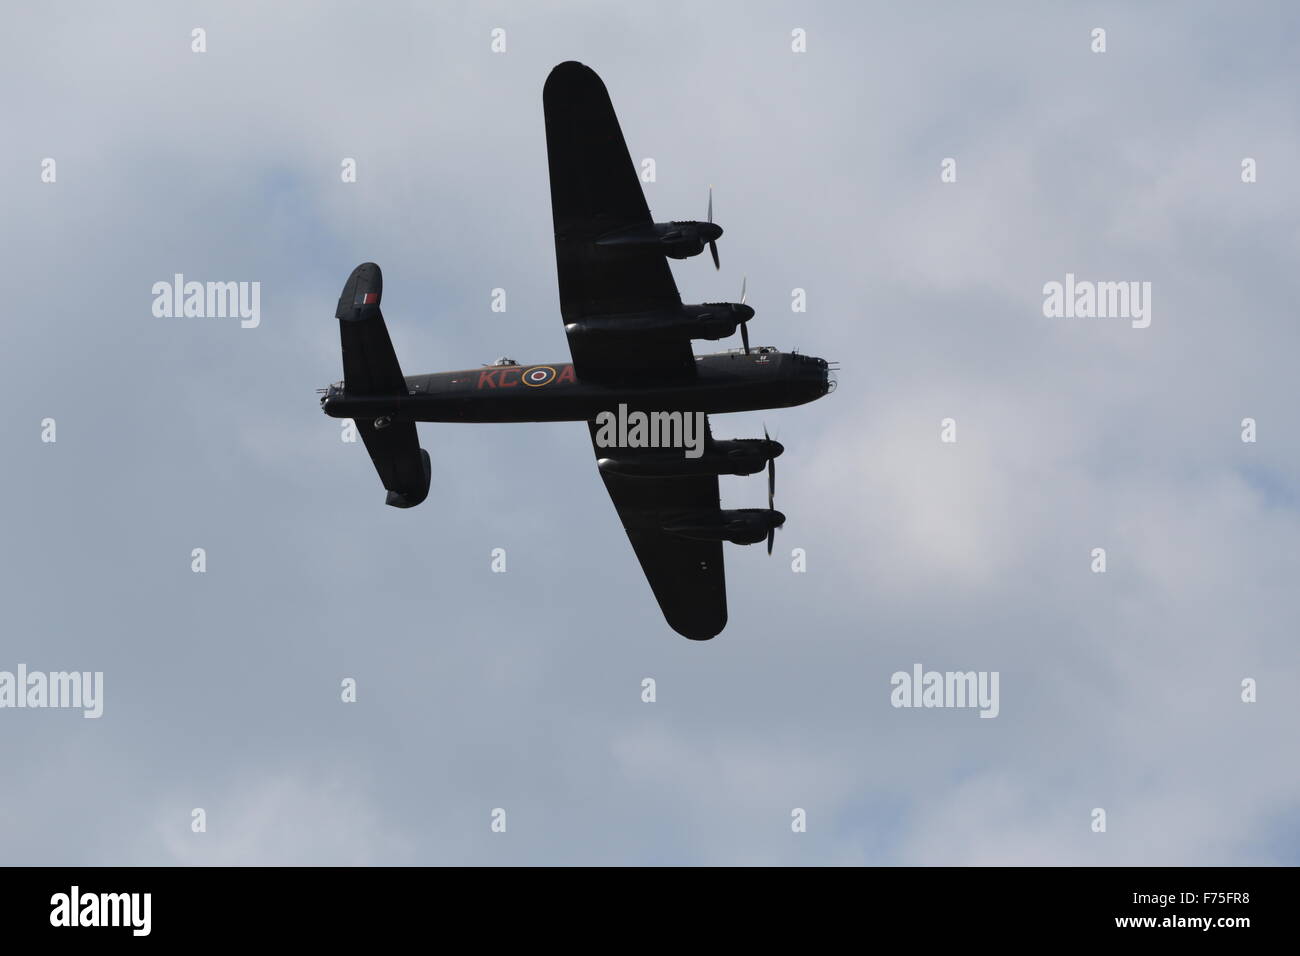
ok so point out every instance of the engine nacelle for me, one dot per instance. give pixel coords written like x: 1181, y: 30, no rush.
x: 677, y: 240
x: 737, y: 456
x: 716, y: 320
x: 737, y: 525
x: 712, y: 320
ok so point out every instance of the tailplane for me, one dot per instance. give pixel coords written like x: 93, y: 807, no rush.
x: 370, y: 369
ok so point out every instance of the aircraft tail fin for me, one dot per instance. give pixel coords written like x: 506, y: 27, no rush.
x: 369, y: 363
x: 403, y: 466
x: 370, y: 368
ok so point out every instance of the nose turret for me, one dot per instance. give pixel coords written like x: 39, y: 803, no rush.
x: 810, y: 378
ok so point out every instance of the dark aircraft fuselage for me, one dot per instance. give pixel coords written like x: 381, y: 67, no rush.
x: 724, y: 382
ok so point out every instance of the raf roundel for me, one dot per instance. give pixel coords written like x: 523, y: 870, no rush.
x: 541, y: 375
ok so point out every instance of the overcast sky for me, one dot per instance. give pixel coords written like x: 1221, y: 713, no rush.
x: 522, y: 690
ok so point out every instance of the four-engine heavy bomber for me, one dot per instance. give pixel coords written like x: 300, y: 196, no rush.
x: 630, y: 339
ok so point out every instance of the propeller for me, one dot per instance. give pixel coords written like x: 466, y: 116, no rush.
x: 744, y: 323
x: 771, y: 474
x: 713, y: 243
x: 771, y: 495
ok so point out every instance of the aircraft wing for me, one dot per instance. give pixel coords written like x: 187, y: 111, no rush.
x: 595, y: 190
x: 686, y: 576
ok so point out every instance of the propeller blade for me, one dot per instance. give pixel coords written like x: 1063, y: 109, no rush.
x: 710, y: 202
x: 771, y: 492
x: 744, y: 324
x: 713, y: 248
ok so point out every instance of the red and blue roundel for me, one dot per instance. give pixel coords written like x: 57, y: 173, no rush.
x: 539, y: 375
